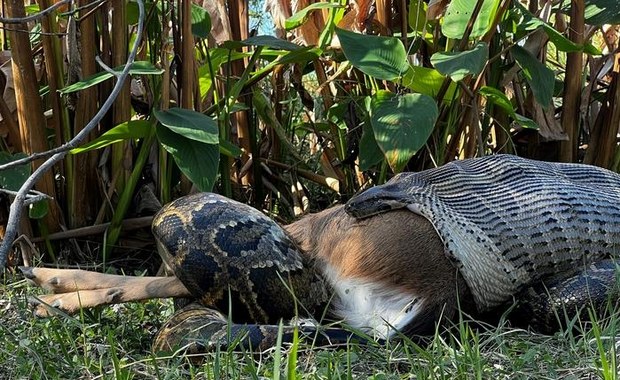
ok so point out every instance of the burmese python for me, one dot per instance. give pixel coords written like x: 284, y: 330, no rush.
x: 540, y: 232
x: 222, y: 251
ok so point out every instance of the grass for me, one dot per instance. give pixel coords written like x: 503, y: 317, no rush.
x: 113, y: 343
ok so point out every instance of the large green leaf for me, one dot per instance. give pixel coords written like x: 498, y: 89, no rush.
x: 229, y: 149
x: 370, y: 154
x: 500, y: 99
x: 598, y: 12
x: 460, y: 11
x: 540, y: 78
x: 197, y: 160
x: 190, y: 124
x: 601, y: 12
x: 380, y: 57
x: 402, y: 124
x: 205, y: 81
x: 201, y: 22
x: 133, y: 129
x: 458, y: 65
x: 301, y: 17
x: 426, y: 81
x: 417, y: 15
x: 217, y: 57
x: 531, y: 22
x: 137, y: 68
x: 13, y: 178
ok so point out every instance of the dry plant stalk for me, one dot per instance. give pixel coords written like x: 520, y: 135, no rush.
x: 121, y: 111
x: 572, y: 85
x: 29, y: 108
x: 84, y: 209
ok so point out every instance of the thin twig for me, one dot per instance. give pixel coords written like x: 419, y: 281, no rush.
x: 128, y: 224
x: 33, y: 196
x: 105, y: 67
x: 34, y: 17
x: 59, y: 154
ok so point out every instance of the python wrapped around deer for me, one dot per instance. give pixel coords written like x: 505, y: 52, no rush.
x: 471, y: 236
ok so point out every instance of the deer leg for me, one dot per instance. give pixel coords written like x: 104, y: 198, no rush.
x: 77, y: 289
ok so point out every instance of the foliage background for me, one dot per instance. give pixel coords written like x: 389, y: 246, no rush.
x: 337, y: 97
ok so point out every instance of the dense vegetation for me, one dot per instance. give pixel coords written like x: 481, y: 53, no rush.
x: 344, y: 95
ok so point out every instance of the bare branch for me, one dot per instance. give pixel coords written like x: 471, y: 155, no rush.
x: 61, y: 152
x: 34, y: 17
x: 33, y: 196
x: 105, y: 67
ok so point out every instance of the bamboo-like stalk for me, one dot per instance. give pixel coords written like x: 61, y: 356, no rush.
x: 54, y: 58
x: 603, y: 141
x: 186, y: 74
x: 239, y: 25
x: 164, y: 159
x: 84, y: 209
x: 572, y: 85
x: 121, y: 112
x: 29, y: 108
x: 187, y: 56
x: 14, y: 137
x: 384, y: 13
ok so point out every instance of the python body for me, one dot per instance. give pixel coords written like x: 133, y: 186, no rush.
x: 475, y: 233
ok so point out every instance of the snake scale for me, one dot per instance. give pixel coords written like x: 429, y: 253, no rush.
x: 543, y: 233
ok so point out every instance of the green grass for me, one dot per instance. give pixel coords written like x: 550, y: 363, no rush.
x: 113, y: 343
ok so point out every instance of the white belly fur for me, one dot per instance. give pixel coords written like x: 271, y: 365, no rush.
x: 372, y: 307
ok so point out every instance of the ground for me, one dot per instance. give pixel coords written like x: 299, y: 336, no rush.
x: 113, y: 342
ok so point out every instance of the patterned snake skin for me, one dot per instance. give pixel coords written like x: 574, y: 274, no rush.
x: 508, y: 222
x: 232, y: 257
x: 542, y: 233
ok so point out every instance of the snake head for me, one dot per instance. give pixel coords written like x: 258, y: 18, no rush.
x: 376, y: 200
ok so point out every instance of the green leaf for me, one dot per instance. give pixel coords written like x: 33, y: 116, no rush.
x: 220, y: 55
x: 137, y: 68
x: 190, y: 124
x: 598, y: 12
x: 201, y: 22
x: 426, y: 81
x: 500, y: 99
x: 32, y: 9
x: 197, y: 160
x: 204, y: 80
x: 370, y: 153
x: 229, y: 149
x: 460, y: 11
x: 13, y: 178
x: 417, y: 15
x: 531, y: 23
x: 217, y: 56
x: 38, y: 210
x: 265, y: 41
x: 525, y: 122
x: 402, y: 124
x: 601, y: 12
x: 133, y: 129
x: 303, y: 55
x: 380, y: 57
x: 540, y: 78
x: 301, y: 17
x: 458, y: 65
